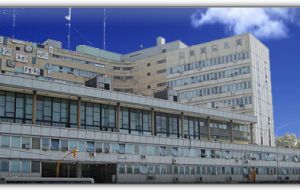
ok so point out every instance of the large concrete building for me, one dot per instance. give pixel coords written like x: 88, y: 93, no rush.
x: 220, y: 126
x: 230, y: 74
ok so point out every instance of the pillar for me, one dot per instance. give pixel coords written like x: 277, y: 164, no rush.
x: 251, y: 133
x: 208, y: 128
x: 34, y: 96
x: 152, y: 122
x: 231, y: 131
x: 78, y: 170
x: 182, y: 124
x: 118, y: 118
x: 78, y: 112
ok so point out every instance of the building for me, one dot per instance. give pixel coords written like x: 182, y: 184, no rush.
x: 125, y: 138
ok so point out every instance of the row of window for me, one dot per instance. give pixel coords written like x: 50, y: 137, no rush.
x: 69, y: 70
x: 233, y: 102
x: 216, y: 90
x: 17, y: 108
x: 19, y: 166
x: 209, y: 62
x: 75, y: 60
x: 123, y: 77
x: 210, y: 76
x: 123, y: 68
x: 159, y: 169
x: 55, y: 144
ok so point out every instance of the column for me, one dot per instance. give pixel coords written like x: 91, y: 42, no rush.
x: 118, y: 118
x: 152, y: 122
x: 182, y: 124
x: 231, y: 131
x: 78, y: 112
x: 251, y: 133
x: 78, y: 170
x: 34, y: 95
x: 208, y: 128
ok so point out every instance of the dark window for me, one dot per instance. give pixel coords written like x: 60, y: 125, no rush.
x: 148, y: 74
x: 149, y: 86
x: 148, y: 64
x: 18, y: 48
x: 54, y: 144
x: 35, y: 166
x: 36, y: 143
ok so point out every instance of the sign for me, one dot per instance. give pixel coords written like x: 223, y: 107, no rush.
x: 42, y: 54
x: 28, y: 49
x: 1, y: 39
x: 7, y: 51
x: 31, y: 70
x: 10, y: 63
x: 21, y: 58
x: 18, y: 41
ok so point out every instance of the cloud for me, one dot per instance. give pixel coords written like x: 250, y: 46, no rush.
x: 266, y: 23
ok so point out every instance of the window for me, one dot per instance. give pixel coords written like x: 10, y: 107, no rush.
x: 161, y: 61
x: 64, y: 145
x: 149, y: 86
x: 148, y: 74
x: 54, y: 144
x: 161, y: 71
x: 15, y: 142
x: 129, y: 169
x: 163, y: 151
x: 192, y: 52
x: 35, y: 166
x: 122, y: 148
x: 238, y: 42
x: 136, y: 169
x: 15, y: 166
x: 226, y: 45
x: 98, y: 147
x: 129, y: 149
x: 106, y: 147
x: 163, y: 169
x: 72, y: 144
x: 82, y: 146
x: 25, y: 166
x: 214, y: 48
x: 174, y: 151
x: 114, y: 148
x: 150, y: 150
x: 203, y: 50
x: 90, y: 146
x: 121, y: 169
x: 25, y: 142
x: 143, y: 169
x: 148, y: 64
x: 36, y: 143
x: 4, y: 165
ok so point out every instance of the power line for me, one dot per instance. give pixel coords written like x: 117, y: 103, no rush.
x: 82, y: 36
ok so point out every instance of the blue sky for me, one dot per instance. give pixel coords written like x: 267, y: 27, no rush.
x: 127, y: 29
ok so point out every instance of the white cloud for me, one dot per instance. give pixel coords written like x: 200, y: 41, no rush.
x: 267, y: 23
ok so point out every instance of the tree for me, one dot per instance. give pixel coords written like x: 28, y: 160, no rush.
x: 289, y: 140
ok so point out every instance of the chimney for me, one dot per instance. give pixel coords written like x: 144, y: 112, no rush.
x: 160, y: 41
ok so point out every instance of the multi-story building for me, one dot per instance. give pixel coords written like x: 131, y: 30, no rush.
x: 230, y: 74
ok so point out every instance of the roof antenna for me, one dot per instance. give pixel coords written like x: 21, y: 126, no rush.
x: 68, y: 18
x: 104, y: 28
x: 14, y: 22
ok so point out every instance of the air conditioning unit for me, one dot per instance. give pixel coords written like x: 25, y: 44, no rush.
x: 174, y: 161
x: 92, y: 154
x: 106, y: 150
x: 45, y: 147
x: 26, y: 146
x: 150, y: 177
x: 98, y: 150
x: 143, y: 156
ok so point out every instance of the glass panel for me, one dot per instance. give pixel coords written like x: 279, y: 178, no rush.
x: 35, y: 166
x: 25, y: 166
x: 64, y: 145
x: 82, y: 146
x: 90, y: 146
x: 129, y: 169
x: 15, y: 166
x: 45, y: 142
x: 4, y: 165
x: 129, y: 149
x: 54, y: 144
x: 36, y: 143
x: 121, y: 169
x: 5, y: 141
x: 15, y: 142
x: 72, y: 144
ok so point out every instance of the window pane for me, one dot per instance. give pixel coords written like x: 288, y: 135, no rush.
x: 14, y: 165
x: 90, y: 146
x: 82, y: 146
x: 122, y: 148
x: 25, y: 166
x: 25, y: 142
x: 5, y: 141
x: 72, y: 144
x: 35, y: 166
x: 15, y: 142
x: 4, y: 165
x: 46, y: 142
x: 54, y: 144
x: 64, y: 145
x: 36, y: 143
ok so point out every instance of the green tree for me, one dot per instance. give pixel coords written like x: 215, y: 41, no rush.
x: 289, y: 140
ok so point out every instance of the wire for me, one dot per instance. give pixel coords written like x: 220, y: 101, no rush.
x: 82, y: 36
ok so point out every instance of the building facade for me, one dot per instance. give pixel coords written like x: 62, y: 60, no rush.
x: 231, y: 74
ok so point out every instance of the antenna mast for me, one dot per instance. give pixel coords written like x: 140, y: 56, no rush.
x: 68, y: 18
x: 104, y: 28
x: 14, y: 22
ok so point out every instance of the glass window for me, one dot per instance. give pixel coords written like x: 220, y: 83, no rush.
x: 163, y: 151
x: 150, y: 169
x: 143, y: 169
x: 82, y: 146
x: 129, y: 169
x: 72, y: 144
x: 5, y: 141
x: 45, y: 142
x: 163, y: 169
x: 181, y: 169
x: 25, y: 166
x: 150, y: 150
x: 4, y: 165
x: 156, y: 169
x: 175, y: 169
x: 136, y: 169
x: 15, y: 142
x: 129, y: 149
x: 90, y: 146
x: 106, y: 147
x: 54, y: 144
x: 35, y: 166
x: 36, y: 143
x: 121, y: 168
x: 114, y: 148
x: 122, y: 148
x: 15, y: 166
x: 137, y: 149
x: 25, y: 142
x: 64, y: 145
x: 98, y: 146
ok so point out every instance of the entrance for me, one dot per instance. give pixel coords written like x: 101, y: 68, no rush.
x: 102, y: 173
